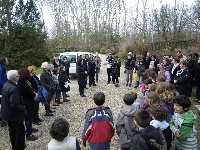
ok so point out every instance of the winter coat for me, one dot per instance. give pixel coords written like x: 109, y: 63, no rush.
x: 192, y: 66
x: 81, y: 78
x: 91, y: 67
x: 116, y: 69
x: 34, y: 84
x: 28, y: 96
x: 182, y: 77
x: 173, y: 74
x: 149, y: 138
x: 12, y: 108
x: 154, y: 66
x: 129, y: 64
x: 63, y: 79
x: 140, y: 69
x: 47, y: 81
x: 146, y: 62
x: 60, y: 63
x: 197, y: 75
x: 185, y: 124
x: 66, y: 64
x: 125, y: 125
x: 170, y: 110
x: 3, y: 77
x: 85, y: 64
x: 98, y: 129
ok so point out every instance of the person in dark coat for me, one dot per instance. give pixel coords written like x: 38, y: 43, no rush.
x: 154, y: 64
x: 13, y: 110
x: 66, y: 63
x: 109, y: 61
x: 197, y: 81
x: 85, y: 64
x: 28, y: 96
x: 33, y: 79
x: 129, y: 66
x: 147, y: 60
x: 63, y: 80
x: 3, y: 78
x: 91, y: 71
x: 81, y: 78
x: 182, y: 78
x: 174, y: 68
x: 57, y: 62
x: 192, y: 66
x: 47, y: 81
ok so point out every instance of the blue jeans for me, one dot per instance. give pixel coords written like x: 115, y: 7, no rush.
x: 97, y: 73
x: 106, y: 149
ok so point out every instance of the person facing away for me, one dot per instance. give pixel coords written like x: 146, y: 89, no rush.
x: 182, y: 124
x: 125, y: 125
x: 13, y: 110
x: 147, y: 137
x: 99, y: 127
x: 61, y: 140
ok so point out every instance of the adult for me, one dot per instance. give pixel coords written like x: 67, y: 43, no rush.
x: 86, y: 68
x: 81, y: 78
x: 56, y: 61
x: 109, y: 61
x: 66, y: 63
x: 197, y: 81
x: 28, y: 96
x: 154, y: 64
x: 35, y: 83
x: 47, y: 81
x: 97, y: 61
x: 174, y: 68
x: 179, y: 54
x: 91, y: 71
x: 13, y: 110
x: 192, y: 66
x: 181, y: 80
x: 147, y: 60
x: 129, y: 66
x: 116, y: 71
x: 3, y: 78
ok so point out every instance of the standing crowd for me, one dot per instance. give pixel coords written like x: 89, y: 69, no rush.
x: 151, y: 118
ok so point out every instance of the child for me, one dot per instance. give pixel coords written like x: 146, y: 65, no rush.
x: 124, y: 125
x: 152, y: 98
x: 165, y: 73
x: 182, y: 124
x: 160, y: 78
x: 147, y: 137
x: 166, y: 93
x: 99, y: 126
x: 59, y: 131
x: 136, y: 103
x: 140, y: 67
x: 159, y: 115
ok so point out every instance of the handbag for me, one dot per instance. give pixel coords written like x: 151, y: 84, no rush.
x: 135, y: 77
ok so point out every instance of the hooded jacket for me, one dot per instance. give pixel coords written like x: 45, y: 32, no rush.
x: 125, y: 125
x: 149, y: 138
x: 185, y: 124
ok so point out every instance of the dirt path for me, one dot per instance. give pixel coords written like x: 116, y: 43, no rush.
x: 74, y: 111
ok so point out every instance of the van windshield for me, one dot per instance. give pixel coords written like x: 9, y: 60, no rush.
x: 70, y: 58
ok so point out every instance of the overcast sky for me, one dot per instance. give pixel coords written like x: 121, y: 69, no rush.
x: 48, y: 15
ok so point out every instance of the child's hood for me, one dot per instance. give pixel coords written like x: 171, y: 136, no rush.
x: 128, y: 110
x: 189, y: 117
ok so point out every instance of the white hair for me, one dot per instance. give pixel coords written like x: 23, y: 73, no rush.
x: 44, y: 65
x: 12, y: 74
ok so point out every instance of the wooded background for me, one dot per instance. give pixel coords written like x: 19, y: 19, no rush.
x: 96, y: 25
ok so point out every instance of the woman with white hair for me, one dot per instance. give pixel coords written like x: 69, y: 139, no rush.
x: 47, y: 81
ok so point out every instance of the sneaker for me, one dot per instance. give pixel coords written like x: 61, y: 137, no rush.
x: 83, y: 95
x: 66, y: 100
x: 94, y: 85
x: 116, y: 85
x: 135, y: 86
x: 31, y: 138
x: 34, y: 130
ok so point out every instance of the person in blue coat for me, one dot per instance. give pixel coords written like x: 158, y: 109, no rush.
x: 3, y: 77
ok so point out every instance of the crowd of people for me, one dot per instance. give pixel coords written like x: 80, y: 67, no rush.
x: 152, y: 117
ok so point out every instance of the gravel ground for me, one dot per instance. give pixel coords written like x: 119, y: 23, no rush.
x: 74, y: 112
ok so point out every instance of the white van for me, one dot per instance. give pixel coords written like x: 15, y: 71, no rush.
x: 72, y: 57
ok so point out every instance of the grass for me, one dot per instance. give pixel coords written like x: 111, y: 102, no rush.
x: 39, y: 70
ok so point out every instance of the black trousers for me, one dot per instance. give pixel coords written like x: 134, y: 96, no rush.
x: 67, y: 72
x: 81, y: 89
x: 17, y: 134
x: 91, y: 79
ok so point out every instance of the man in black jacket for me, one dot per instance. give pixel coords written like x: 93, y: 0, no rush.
x: 13, y: 110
